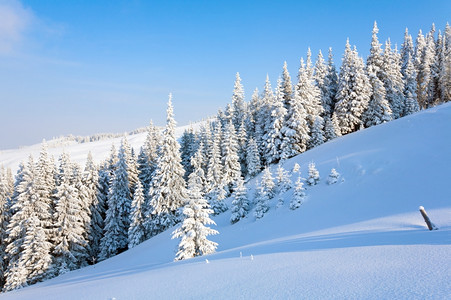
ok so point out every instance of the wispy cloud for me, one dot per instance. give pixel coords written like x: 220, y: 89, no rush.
x: 15, y: 19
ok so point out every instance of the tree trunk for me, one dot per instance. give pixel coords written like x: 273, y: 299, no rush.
x: 430, y: 225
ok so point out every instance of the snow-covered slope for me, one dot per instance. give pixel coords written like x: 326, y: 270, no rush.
x: 362, y: 238
x: 79, y: 151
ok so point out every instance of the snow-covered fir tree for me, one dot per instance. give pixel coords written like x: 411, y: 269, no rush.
x: 252, y: 158
x: 410, y: 88
x: 331, y: 84
x: 313, y: 174
x: 5, y: 196
x: 230, y: 160
x: 393, y: 83
x: 238, y: 104
x: 266, y: 191
x: 70, y: 242
x: 283, y: 181
x: 287, y: 88
x: 168, y: 190
x: 267, y: 99
x: 298, y: 195
x: 316, y: 134
x: 216, y: 192
x: 295, y: 130
x: 353, y: 92
x: 94, y: 228
x: 187, y: 149
x: 407, y: 51
x: 193, y: 231
x: 117, y: 220
x: 242, y: 148
x: 330, y: 131
x: 240, y: 203
x: 333, y: 176
x: 274, y: 124
x: 320, y: 82
x: 309, y: 95
x: 445, y: 71
x: 253, y: 109
x: 378, y: 110
x: 136, y: 231
x: 27, y: 250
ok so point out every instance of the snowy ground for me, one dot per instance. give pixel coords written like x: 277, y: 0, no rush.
x: 362, y: 238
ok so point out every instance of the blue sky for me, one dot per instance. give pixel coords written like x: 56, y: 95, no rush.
x: 84, y: 67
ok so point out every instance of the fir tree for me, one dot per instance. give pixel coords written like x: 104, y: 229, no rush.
x: 353, y: 92
x: 283, y: 181
x: 193, y: 230
x: 393, y: 83
x: 240, y: 203
x: 216, y: 192
x: 287, y: 88
x: 238, y: 104
x: 187, y: 150
x: 70, y: 241
x: 230, y: 159
x: 298, y: 195
x: 27, y: 250
x: 410, y: 90
x: 331, y: 84
x: 168, y: 190
x: 333, y: 177
x: 265, y: 193
x: 295, y: 130
x: 117, y: 220
x: 313, y: 175
x: 242, y: 148
x: 274, y: 123
x: 330, y: 131
x: 136, y: 232
x: 309, y: 95
x: 316, y: 134
x: 252, y: 158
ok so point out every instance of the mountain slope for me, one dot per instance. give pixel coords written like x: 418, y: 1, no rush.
x: 362, y: 238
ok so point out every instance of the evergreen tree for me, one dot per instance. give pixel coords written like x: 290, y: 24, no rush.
x: 410, y: 90
x: 94, y: 208
x: 445, y: 71
x: 242, y: 148
x: 283, y: 181
x: 330, y: 131
x: 393, y: 83
x: 309, y: 95
x: 407, y: 52
x: 252, y: 113
x: 136, y: 232
x: 320, y: 82
x: 117, y: 220
x: 295, y: 130
x: 187, y: 150
x: 240, y: 203
x: 216, y: 192
x: 168, y: 190
x: 333, y: 177
x: 313, y: 175
x: 27, y: 250
x: 193, y: 230
x: 265, y: 192
x: 70, y: 216
x: 287, y: 88
x: 331, y: 85
x: 353, y: 92
x: 316, y: 134
x: 5, y: 195
x: 230, y: 159
x: 267, y: 100
x: 378, y: 110
x: 252, y: 158
x: 238, y: 104
x: 298, y: 195
x: 274, y: 123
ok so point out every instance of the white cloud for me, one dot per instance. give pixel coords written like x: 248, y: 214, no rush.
x: 15, y: 19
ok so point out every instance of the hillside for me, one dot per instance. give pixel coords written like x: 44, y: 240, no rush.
x: 362, y: 238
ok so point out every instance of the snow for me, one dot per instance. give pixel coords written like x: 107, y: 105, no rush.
x: 361, y: 238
